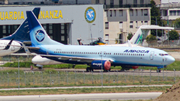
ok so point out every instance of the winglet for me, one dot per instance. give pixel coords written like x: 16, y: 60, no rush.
x: 8, y: 45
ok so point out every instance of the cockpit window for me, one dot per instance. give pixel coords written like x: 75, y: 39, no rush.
x: 163, y: 54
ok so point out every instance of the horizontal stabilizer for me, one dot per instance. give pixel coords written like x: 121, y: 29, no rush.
x: 27, y: 42
x: 155, y: 27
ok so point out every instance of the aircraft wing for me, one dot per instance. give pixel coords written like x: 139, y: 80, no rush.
x: 78, y: 59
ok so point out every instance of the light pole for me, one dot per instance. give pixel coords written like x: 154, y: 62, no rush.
x: 18, y: 72
x: 101, y: 70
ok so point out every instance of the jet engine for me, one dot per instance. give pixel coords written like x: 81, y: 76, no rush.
x: 135, y: 67
x: 96, y: 64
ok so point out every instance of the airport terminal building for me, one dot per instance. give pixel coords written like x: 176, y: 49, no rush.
x: 63, y: 23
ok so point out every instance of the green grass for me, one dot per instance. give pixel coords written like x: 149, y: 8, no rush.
x: 82, y: 90
x: 53, y: 78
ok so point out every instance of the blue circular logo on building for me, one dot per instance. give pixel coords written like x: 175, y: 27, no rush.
x: 40, y: 35
x: 90, y: 14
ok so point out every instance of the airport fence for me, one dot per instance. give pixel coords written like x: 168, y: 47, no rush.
x: 81, y: 78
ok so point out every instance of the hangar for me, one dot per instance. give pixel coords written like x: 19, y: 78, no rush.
x: 63, y: 23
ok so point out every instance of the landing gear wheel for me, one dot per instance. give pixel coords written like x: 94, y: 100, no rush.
x: 73, y: 65
x: 158, y: 71
x: 87, y: 69
x: 107, y: 70
x: 40, y: 68
x: 91, y: 70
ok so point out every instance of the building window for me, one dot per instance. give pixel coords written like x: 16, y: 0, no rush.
x: 141, y: 12
x: 15, y: 26
x: 106, y: 37
x: 136, y: 12
x: 114, y: 13
x: 104, y: 2
x: 4, y: 29
x: 178, y: 12
x: 145, y: 12
x: 121, y: 25
x: 106, y: 25
x: 110, y: 13
x: 120, y: 13
x: 50, y: 29
x: 97, y: 1
x: 141, y: 22
x: 120, y: 3
x: 112, y: 3
x: 135, y: 1
x: 136, y: 24
x: 9, y: 29
x: 62, y: 31
x: 51, y: 36
x: 106, y: 11
x: 62, y: 38
x: 173, y: 13
x: 146, y: 22
x: 131, y: 24
x: 141, y: 1
x: 131, y: 12
x: 44, y: 26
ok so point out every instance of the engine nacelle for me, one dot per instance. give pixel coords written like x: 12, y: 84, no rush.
x: 135, y: 67
x: 96, y: 64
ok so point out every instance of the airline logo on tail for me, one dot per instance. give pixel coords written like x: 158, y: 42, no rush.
x: 40, y: 35
x: 139, y: 39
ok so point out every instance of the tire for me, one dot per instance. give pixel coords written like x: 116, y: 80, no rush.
x: 87, y: 69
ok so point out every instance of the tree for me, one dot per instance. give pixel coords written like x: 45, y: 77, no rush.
x: 173, y: 35
x: 130, y: 35
x: 176, y: 23
x: 156, y: 15
x: 150, y: 38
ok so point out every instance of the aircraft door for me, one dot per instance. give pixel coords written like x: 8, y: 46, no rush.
x: 151, y: 57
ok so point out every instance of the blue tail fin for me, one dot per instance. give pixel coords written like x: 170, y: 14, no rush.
x: 37, y: 33
x: 22, y: 33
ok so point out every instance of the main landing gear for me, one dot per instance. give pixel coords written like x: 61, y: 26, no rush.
x: 89, y: 69
x: 158, y: 70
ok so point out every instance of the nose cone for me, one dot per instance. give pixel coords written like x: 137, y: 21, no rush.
x: 16, y: 46
x: 170, y: 60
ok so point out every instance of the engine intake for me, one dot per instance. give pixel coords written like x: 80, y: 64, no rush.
x: 96, y: 64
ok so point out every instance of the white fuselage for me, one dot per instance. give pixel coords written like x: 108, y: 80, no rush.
x: 135, y: 56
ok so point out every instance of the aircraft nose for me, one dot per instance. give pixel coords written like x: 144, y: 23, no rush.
x: 171, y: 59
x: 17, y: 46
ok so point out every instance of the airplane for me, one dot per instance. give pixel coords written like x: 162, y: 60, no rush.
x: 8, y: 45
x: 137, y: 38
x: 97, y: 57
